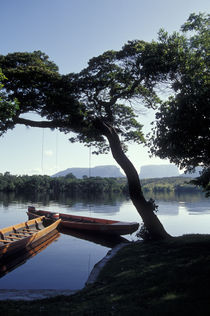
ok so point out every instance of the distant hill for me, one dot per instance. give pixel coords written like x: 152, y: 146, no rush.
x: 99, y: 171
x: 195, y: 174
x: 147, y: 171
x: 158, y: 171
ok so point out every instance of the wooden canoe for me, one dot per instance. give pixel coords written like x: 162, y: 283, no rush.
x: 25, y: 235
x: 12, y: 262
x: 92, y: 224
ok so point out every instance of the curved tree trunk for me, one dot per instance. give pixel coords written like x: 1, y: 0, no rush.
x: 144, y: 208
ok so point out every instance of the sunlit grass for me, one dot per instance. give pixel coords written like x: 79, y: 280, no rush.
x: 170, y: 296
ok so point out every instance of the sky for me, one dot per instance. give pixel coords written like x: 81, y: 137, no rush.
x: 71, y: 32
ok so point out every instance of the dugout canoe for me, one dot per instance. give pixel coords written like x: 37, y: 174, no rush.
x: 25, y: 235
x: 91, y: 224
x: 21, y: 257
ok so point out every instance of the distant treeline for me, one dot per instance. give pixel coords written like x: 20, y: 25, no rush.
x: 93, y: 185
x: 169, y: 184
x: 55, y: 185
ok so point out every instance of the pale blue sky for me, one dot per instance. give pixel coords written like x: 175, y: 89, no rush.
x: 71, y: 32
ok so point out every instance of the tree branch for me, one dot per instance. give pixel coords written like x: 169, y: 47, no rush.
x: 41, y: 124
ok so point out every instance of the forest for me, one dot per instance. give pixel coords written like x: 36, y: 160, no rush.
x: 71, y: 185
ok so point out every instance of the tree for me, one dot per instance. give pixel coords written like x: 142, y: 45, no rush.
x: 182, y: 131
x: 98, y: 103
x: 91, y: 104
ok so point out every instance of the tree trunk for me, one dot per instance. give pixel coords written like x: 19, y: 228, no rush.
x: 144, y: 208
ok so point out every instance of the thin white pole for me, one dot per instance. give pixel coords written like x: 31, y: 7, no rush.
x: 42, y: 158
x: 89, y: 161
x: 56, y: 155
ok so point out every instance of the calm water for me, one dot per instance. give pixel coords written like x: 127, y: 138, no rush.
x: 66, y: 261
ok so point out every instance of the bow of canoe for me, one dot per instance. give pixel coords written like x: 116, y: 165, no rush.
x: 25, y: 235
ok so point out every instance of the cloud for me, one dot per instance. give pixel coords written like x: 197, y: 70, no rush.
x: 33, y: 171
x: 48, y: 152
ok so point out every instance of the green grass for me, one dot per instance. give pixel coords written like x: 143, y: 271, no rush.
x: 150, y: 279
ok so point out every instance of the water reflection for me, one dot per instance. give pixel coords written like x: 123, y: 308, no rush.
x: 88, y: 202
x: 106, y: 205
x: 21, y: 258
x: 15, y: 261
x: 171, y: 196
x: 67, y: 262
x: 198, y: 207
x: 99, y: 238
x: 106, y: 199
x: 168, y: 208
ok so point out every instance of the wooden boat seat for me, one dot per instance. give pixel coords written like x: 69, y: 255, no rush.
x: 13, y: 237
x: 21, y: 234
x: 5, y: 240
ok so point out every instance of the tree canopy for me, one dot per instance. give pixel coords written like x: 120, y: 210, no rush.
x: 100, y: 93
x: 182, y: 129
x: 34, y: 80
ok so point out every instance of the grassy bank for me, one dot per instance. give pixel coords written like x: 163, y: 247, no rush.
x: 156, y: 278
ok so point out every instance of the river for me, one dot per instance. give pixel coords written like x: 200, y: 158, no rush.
x: 66, y: 262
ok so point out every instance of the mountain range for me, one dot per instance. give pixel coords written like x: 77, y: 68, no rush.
x: 159, y: 171
x: 99, y: 171
x: 147, y: 171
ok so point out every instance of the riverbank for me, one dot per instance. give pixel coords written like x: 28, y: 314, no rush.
x: 156, y: 278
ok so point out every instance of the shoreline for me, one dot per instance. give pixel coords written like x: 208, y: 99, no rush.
x: 100, y: 265
x: 32, y: 295
x: 40, y: 294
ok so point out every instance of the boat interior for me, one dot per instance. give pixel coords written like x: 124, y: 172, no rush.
x: 20, y: 231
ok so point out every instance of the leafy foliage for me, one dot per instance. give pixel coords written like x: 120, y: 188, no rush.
x: 168, y: 185
x: 203, y: 181
x: 72, y: 185
x: 7, y: 108
x: 102, y: 92
x: 115, y: 80
x: 182, y: 131
x: 68, y: 184
x: 34, y: 81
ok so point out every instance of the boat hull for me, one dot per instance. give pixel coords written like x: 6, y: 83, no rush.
x: 10, y: 263
x: 91, y: 224
x: 25, y: 235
